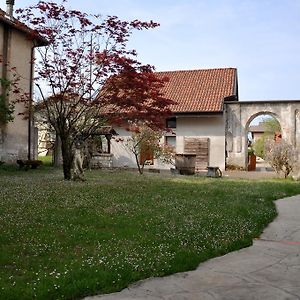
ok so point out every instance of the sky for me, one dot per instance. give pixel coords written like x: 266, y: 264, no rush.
x: 261, y: 38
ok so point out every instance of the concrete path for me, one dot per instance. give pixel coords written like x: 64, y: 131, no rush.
x: 270, y: 269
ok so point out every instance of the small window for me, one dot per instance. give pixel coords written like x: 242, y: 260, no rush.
x: 171, y: 141
x: 171, y: 123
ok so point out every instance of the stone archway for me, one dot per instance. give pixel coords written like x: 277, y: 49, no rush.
x: 248, y: 124
x: 239, y: 114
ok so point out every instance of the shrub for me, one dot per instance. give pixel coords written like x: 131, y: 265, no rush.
x: 281, y: 155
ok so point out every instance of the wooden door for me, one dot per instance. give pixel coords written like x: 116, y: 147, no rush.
x: 200, y: 147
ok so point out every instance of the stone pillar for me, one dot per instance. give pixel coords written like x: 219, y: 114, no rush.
x: 297, y: 128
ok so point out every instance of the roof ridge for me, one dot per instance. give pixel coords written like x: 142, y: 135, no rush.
x: 192, y: 70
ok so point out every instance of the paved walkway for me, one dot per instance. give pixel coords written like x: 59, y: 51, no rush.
x: 253, y: 175
x: 268, y: 270
x: 263, y: 171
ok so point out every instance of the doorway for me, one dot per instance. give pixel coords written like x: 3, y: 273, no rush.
x: 262, y: 129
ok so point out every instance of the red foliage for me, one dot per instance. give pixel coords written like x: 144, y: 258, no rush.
x: 136, y: 97
x: 87, y: 52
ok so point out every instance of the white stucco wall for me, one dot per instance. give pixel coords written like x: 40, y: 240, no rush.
x: 212, y: 127
x: 122, y: 157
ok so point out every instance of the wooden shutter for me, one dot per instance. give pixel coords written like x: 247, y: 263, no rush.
x: 200, y: 147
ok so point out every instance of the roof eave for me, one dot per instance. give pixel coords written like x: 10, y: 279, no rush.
x: 219, y: 112
x: 17, y: 25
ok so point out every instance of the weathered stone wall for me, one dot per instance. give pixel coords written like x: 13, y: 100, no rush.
x: 103, y: 160
x: 239, y: 116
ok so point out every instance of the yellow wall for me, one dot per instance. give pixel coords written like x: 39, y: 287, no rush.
x: 14, y: 135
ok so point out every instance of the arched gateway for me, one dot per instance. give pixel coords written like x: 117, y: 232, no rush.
x: 240, y: 114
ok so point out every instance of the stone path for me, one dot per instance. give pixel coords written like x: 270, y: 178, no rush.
x: 268, y: 270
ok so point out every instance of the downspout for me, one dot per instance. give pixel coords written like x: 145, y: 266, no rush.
x: 30, y: 115
x: 6, y: 35
x: 5, y: 59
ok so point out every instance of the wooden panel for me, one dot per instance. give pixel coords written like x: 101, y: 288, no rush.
x: 146, y: 155
x: 200, y: 147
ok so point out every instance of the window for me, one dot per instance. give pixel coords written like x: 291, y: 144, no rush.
x: 171, y: 123
x: 171, y: 141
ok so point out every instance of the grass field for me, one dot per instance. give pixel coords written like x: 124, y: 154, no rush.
x: 66, y: 240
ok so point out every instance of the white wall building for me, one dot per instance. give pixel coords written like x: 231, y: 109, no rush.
x: 198, y: 123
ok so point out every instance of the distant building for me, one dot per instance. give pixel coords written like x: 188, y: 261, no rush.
x: 257, y: 131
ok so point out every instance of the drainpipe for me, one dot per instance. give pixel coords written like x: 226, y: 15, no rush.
x: 6, y: 46
x: 4, y: 72
x: 30, y: 115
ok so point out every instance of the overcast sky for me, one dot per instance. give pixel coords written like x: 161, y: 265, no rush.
x: 261, y: 38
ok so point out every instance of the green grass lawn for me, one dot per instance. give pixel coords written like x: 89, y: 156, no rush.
x: 47, y: 160
x: 66, y: 240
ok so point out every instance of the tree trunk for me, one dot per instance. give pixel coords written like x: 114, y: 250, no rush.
x: 67, y: 158
x: 141, y: 169
x: 57, y: 155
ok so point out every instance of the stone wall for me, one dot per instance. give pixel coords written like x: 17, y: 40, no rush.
x: 103, y: 160
x: 239, y: 116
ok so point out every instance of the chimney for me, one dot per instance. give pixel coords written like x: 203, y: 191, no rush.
x: 10, y: 7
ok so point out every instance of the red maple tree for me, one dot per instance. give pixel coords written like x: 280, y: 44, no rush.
x: 87, y: 54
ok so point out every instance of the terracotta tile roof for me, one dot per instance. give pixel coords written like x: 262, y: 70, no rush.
x: 258, y: 128
x: 200, y: 90
x: 14, y: 23
x: 104, y: 130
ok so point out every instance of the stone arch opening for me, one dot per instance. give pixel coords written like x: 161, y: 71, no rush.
x: 260, y: 127
x: 239, y: 116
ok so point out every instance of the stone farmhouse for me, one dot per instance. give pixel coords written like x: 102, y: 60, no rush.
x: 198, y: 122
x: 17, y: 51
x: 210, y: 121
